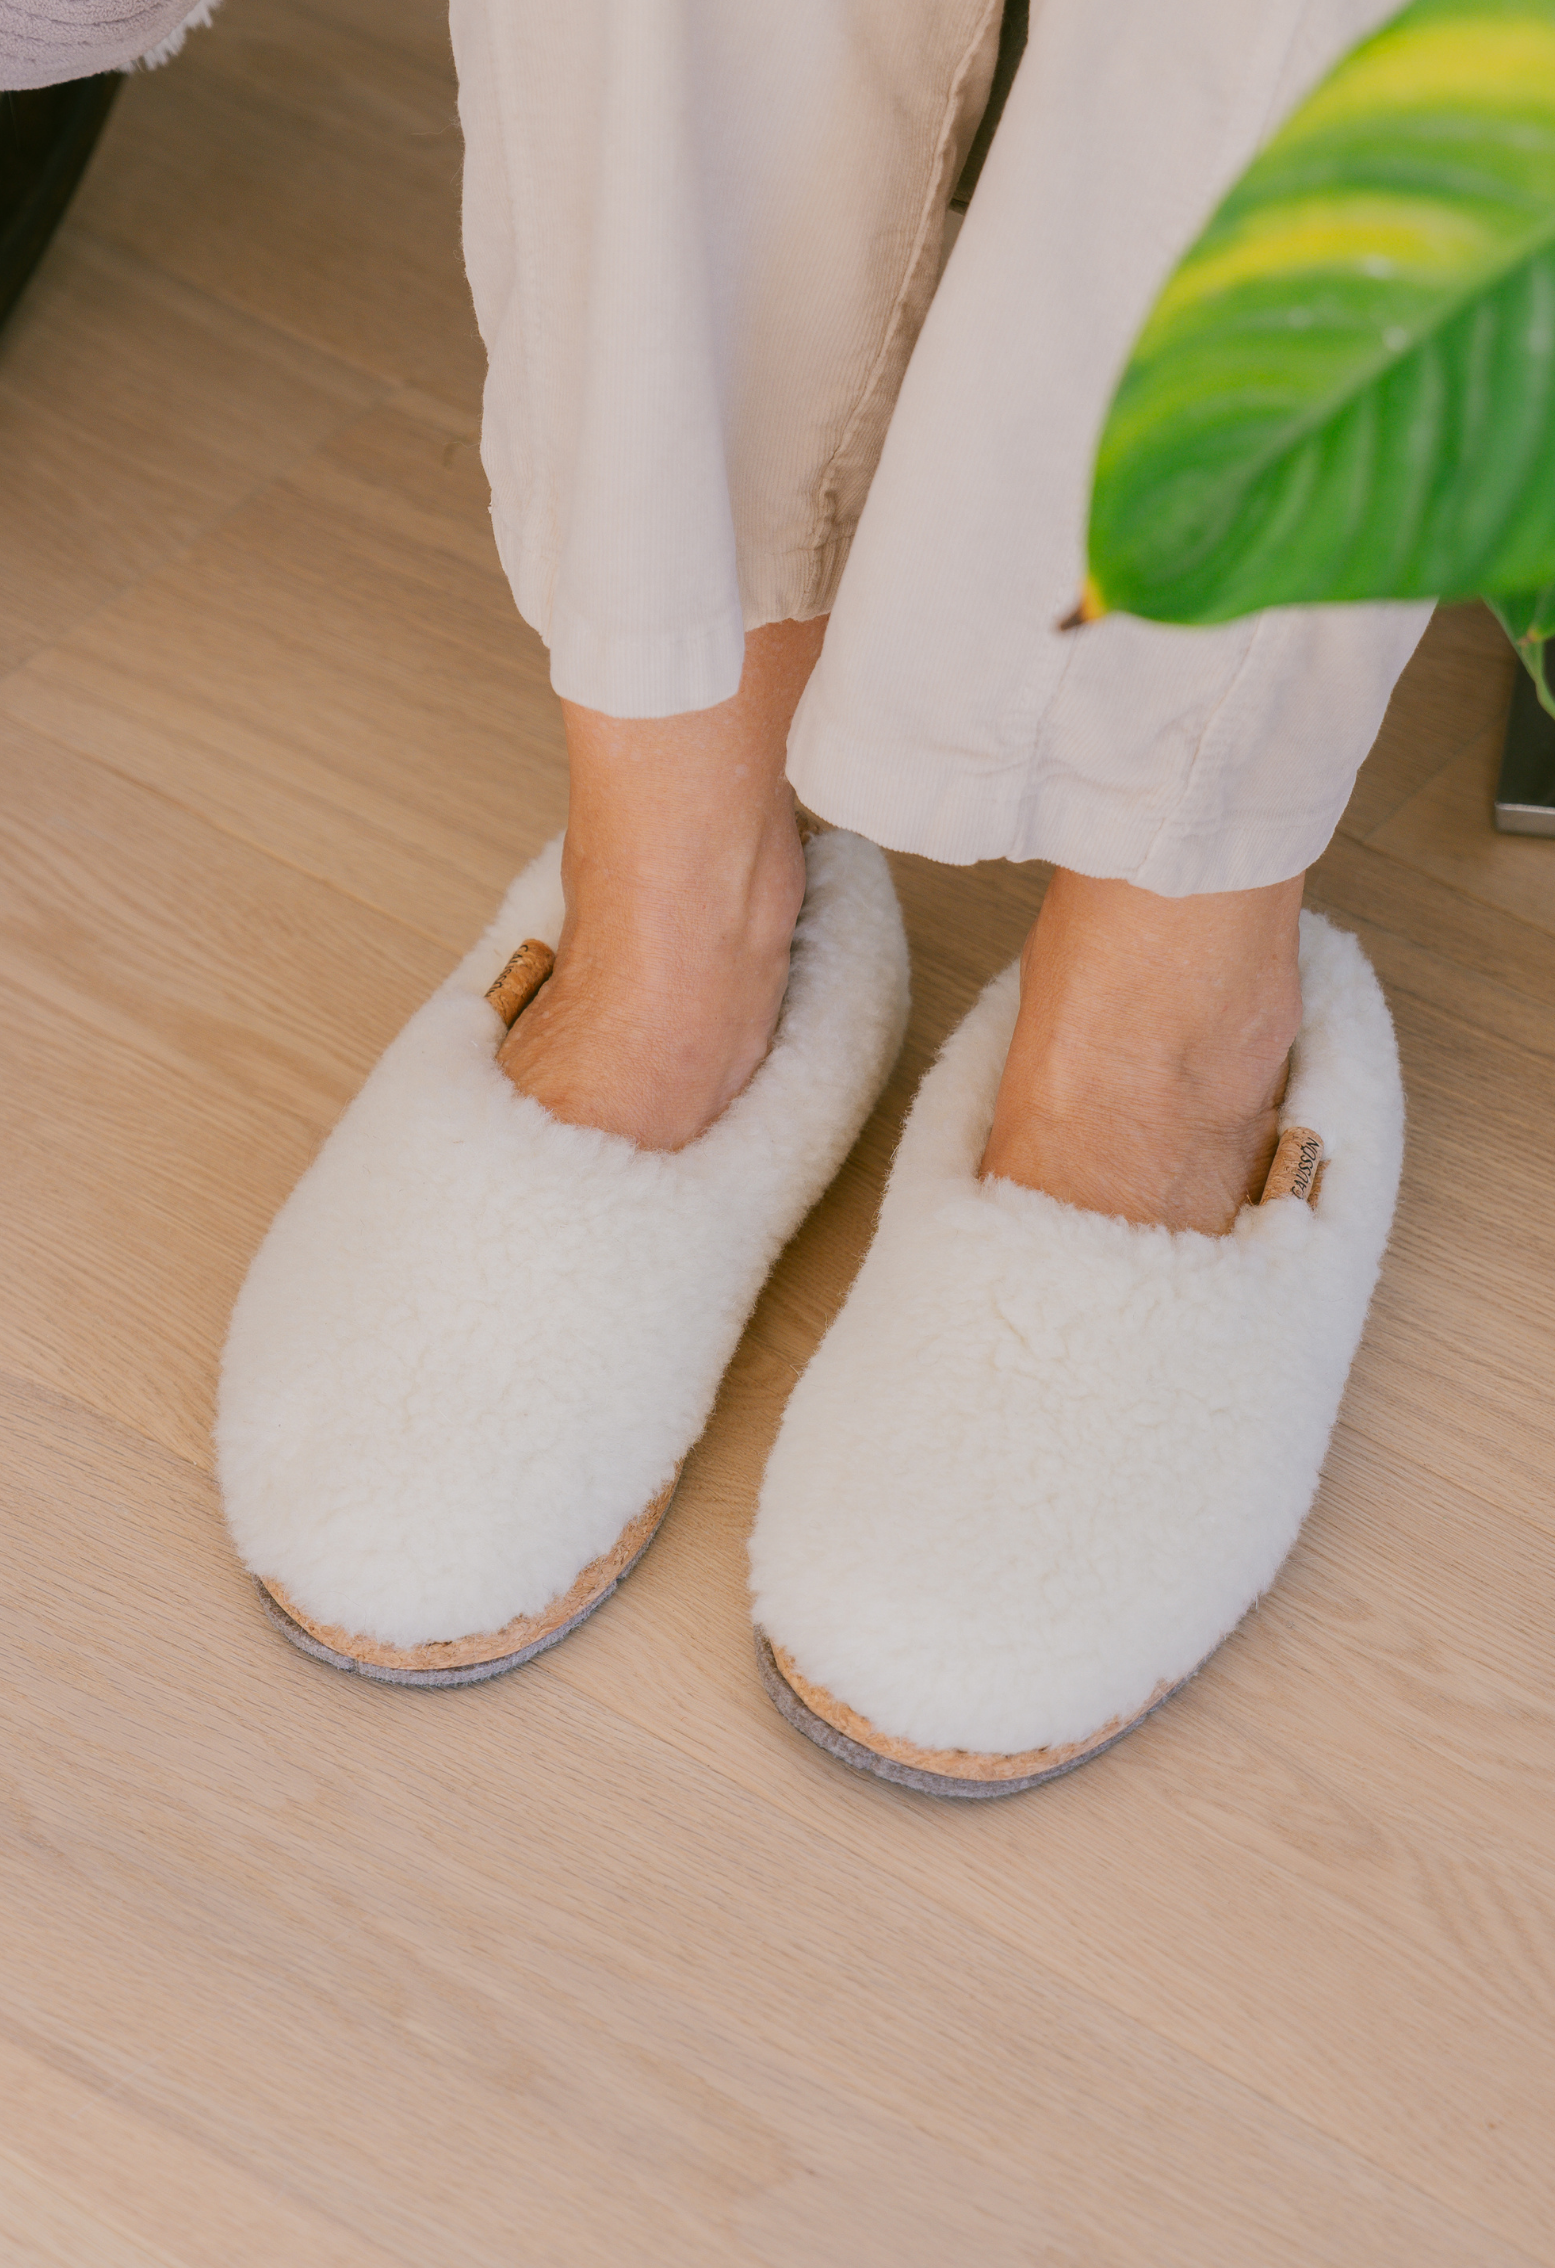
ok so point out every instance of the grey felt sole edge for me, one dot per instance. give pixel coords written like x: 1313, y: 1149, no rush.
x: 472, y: 1673
x: 861, y: 1759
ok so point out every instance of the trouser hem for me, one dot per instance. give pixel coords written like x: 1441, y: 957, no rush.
x: 959, y: 816
x: 664, y: 673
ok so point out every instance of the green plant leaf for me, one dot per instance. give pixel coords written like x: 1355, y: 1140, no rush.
x: 1528, y: 618
x: 1347, y: 389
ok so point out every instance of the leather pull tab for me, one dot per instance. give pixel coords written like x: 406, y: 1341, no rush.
x: 1297, y: 1168
x: 522, y: 976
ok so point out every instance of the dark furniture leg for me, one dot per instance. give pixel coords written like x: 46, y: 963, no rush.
x: 46, y: 136
x: 1525, y: 795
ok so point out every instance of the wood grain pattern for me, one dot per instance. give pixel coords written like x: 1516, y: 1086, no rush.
x: 672, y: 2031
x: 332, y: 676
x: 205, y: 406
x: 337, y: 127
x: 603, y: 1963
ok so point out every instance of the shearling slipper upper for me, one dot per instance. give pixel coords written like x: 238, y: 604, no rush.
x: 477, y: 1342
x: 1045, y: 1460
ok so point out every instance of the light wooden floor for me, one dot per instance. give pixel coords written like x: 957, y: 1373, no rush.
x: 601, y: 1963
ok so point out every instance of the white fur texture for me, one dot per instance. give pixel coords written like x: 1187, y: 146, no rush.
x: 477, y: 1341
x: 1045, y: 1460
x: 198, y: 19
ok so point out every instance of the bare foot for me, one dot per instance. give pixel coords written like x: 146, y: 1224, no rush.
x: 684, y: 876
x: 1151, y: 1050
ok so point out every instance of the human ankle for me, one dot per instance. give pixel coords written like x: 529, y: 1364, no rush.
x: 710, y: 892
x: 1204, y: 1067
x: 685, y: 824
x: 1151, y: 1051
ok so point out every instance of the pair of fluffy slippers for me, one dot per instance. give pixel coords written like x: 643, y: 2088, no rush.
x: 1041, y: 1465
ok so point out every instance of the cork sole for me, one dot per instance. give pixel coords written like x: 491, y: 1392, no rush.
x: 492, y: 1653
x: 960, y: 1772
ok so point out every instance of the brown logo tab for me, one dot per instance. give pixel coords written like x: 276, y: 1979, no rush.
x: 522, y: 976
x: 1297, y: 1167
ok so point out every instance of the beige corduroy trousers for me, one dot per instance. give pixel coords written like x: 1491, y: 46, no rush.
x: 729, y: 385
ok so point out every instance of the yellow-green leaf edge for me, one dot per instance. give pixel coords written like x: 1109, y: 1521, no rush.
x: 1299, y: 420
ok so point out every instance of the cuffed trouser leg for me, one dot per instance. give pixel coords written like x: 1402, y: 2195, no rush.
x: 949, y: 715
x: 702, y: 241
x: 44, y: 43
x: 701, y: 237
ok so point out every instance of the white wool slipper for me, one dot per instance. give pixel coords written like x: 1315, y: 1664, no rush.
x: 1045, y: 1460
x: 477, y: 1343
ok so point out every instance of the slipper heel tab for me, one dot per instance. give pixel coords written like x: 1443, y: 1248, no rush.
x: 1296, y: 1168
x: 521, y: 977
